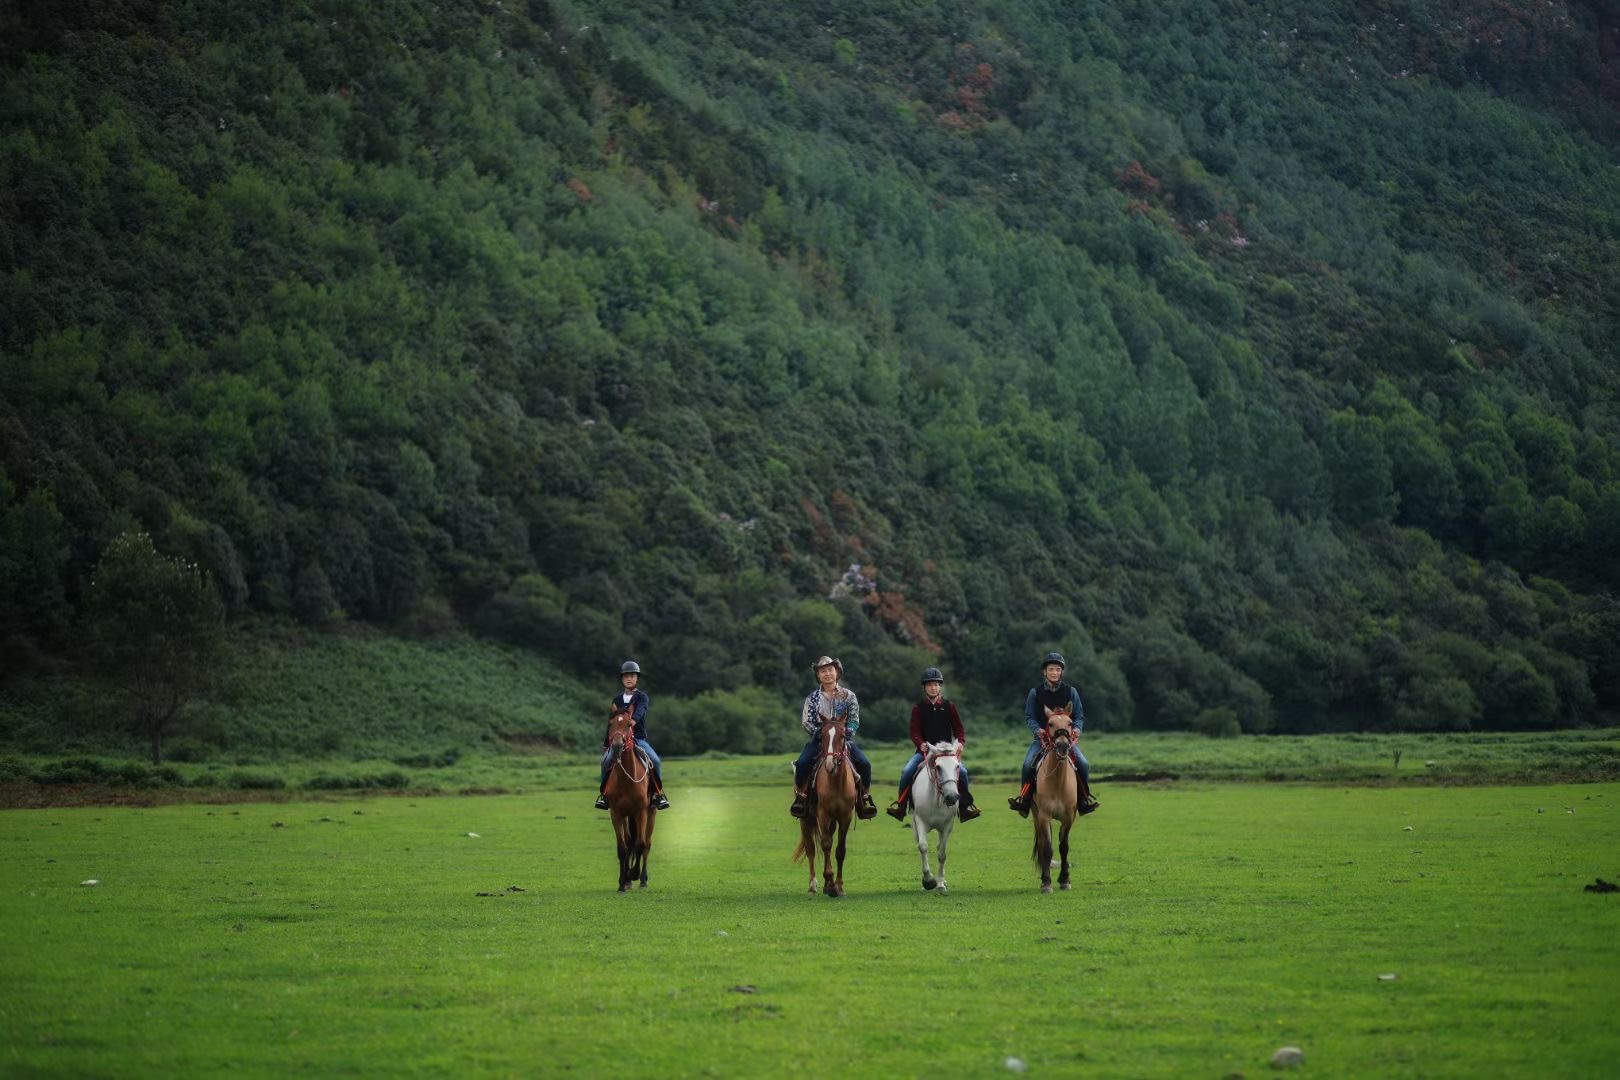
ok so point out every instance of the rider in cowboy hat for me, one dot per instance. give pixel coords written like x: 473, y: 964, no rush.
x: 933, y: 720
x: 1052, y: 694
x: 636, y: 700
x: 831, y: 700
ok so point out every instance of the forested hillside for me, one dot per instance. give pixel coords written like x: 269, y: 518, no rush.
x: 1260, y: 356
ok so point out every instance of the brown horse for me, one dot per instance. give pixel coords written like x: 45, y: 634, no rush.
x: 833, y: 800
x: 629, y: 796
x: 1055, y: 788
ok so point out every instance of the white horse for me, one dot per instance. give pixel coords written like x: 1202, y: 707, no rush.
x: 934, y: 799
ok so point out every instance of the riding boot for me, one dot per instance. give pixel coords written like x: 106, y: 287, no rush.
x: 967, y: 811
x: 658, y: 800
x: 1088, y: 804
x: 1020, y: 802
x: 601, y: 796
x: 801, y: 803
x: 897, y: 809
x: 865, y: 808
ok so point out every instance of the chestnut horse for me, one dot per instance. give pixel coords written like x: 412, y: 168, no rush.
x: 833, y: 799
x: 1055, y: 788
x: 629, y: 796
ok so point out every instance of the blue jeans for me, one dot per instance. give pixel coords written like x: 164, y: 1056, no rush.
x: 646, y: 748
x: 807, y: 759
x: 1074, y: 752
x: 909, y: 773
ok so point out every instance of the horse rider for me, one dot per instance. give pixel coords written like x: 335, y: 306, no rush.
x: 1055, y: 695
x: 831, y: 700
x: 933, y: 720
x: 634, y: 699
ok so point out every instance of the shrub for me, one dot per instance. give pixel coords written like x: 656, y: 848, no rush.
x: 246, y: 781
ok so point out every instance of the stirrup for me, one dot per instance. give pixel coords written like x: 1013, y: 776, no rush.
x: 896, y: 811
x: 968, y: 812
x: 1088, y: 806
x: 601, y: 803
x: 865, y: 808
x: 659, y: 801
x: 801, y: 803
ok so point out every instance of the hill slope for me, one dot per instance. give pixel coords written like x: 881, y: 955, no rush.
x: 1256, y: 355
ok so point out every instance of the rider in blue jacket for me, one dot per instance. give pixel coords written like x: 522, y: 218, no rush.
x: 629, y: 676
x: 1055, y: 694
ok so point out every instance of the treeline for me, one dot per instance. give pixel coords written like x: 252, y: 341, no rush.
x: 1262, y: 367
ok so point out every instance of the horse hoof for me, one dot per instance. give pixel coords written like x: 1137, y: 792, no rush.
x: 1046, y: 888
x: 1065, y: 886
x: 942, y: 888
x: 929, y: 883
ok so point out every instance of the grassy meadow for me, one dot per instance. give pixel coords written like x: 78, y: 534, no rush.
x: 1209, y: 925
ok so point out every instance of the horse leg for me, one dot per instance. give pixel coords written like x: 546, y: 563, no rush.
x: 807, y: 841
x: 828, y: 885
x: 1043, y: 848
x: 646, y: 843
x: 1063, y: 852
x: 843, y: 831
x: 622, y: 842
x: 944, y: 842
x: 921, y: 830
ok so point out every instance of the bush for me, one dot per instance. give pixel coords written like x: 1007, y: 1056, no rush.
x: 430, y: 761
x: 246, y: 781
x: 72, y: 771
x: 392, y: 780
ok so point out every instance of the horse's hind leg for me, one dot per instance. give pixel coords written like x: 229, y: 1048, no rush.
x: 944, y: 842
x: 646, y: 845
x: 843, y: 831
x: 1063, y: 853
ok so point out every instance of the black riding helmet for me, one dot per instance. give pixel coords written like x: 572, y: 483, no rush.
x: 932, y: 674
x: 629, y: 667
x: 1055, y: 658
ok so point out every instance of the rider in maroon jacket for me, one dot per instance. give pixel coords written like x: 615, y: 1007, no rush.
x: 933, y: 720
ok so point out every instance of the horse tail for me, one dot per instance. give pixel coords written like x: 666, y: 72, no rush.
x: 807, y: 842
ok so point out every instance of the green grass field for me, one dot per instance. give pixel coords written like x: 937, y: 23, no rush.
x: 1209, y: 925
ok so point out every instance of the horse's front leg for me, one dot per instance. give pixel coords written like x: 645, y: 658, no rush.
x: 921, y: 830
x: 1063, y: 853
x: 944, y: 843
x: 828, y: 885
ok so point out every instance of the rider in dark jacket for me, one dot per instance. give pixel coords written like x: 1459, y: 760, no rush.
x: 636, y: 700
x: 1052, y: 694
x: 933, y: 720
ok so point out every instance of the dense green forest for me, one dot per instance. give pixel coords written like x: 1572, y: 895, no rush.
x: 1260, y: 356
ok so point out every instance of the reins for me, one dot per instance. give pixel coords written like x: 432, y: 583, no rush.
x: 628, y: 749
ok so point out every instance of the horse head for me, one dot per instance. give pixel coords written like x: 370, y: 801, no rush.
x: 1060, y: 728
x: 834, y: 748
x: 621, y: 730
x: 943, y: 760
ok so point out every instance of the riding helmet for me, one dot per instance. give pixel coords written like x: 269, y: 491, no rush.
x: 1054, y: 658
x: 932, y: 674
x: 629, y: 667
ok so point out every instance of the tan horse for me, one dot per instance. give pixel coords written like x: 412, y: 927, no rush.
x: 629, y: 796
x: 1056, y: 786
x: 833, y: 800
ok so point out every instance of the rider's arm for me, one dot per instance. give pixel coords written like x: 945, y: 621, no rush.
x: 916, y: 727
x: 807, y: 718
x: 852, y: 722
x: 638, y: 713
x: 956, y: 724
x: 1079, y: 712
x: 1029, y: 714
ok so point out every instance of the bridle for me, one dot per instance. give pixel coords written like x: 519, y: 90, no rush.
x: 833, y: 759
x: 931, y: 762
x: 625, y: 747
